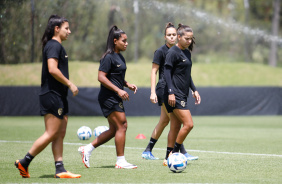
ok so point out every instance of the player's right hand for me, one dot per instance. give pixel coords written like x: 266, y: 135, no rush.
x: 123, y: 95
x: 73, y: 89
x: 171, y: 100
x: 153, y: 98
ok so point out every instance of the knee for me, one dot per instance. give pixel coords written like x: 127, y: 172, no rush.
x: 62, y: 134
x: 57, y: 134
x: 112, y: 131
x: 165, y: 121
x: 188, y: 126
x: 123, y: 127
x: 51, y: 136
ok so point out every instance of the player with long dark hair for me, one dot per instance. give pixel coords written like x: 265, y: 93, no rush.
x: 111, y: 96
x: 53, y: 97
x: 157, y: 92
x: 177, y: 73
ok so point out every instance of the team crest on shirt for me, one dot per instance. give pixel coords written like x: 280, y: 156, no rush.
x: 120, y: 105
x: 60, y: 111
x: 182, y: 103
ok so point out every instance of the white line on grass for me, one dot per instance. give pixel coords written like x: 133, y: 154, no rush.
x: 200, y: 151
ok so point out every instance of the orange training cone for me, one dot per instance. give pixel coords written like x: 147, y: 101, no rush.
x: 140, y: 136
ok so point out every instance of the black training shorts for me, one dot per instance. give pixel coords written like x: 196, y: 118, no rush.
x: 179, y: 104
x: 160, y: 95
x: 51, y: 103
x: 160, y: 88
x: 110, y: 105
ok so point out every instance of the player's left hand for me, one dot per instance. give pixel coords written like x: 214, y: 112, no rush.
x: 132, y: 87
x: 197, y: 97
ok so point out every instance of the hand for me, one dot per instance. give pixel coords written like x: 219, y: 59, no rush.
x: 197, y: 96
x: 132, y: 87
x: 123, y: 95
x: 73, y: 89
x: 171, y: 100
x: 153, y: 98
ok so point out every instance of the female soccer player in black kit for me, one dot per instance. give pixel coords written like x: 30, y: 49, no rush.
x: 157, y: 93
x: 177, y: 73
x: 111, y: 76
x: 53, y: 97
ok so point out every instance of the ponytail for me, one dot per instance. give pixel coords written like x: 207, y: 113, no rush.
x: 168, y: 25
x: 53, y: 21
x: 114, y: 33
x: 183, y: 28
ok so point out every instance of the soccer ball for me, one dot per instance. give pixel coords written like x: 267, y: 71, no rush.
x: 84, y: 133
x: 177, y: 162
x: 100, y: 129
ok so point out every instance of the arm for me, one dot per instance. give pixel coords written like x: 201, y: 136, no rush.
x: 132, y: 87
x: 192, y: 86
x: 167, y: 75
x: 155, y: 69
x: 195, y: 93
x: 57, y: 74
x: 102, y: 78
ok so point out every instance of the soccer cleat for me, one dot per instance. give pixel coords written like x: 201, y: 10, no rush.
x: 67, y: 175
x: 148, y: 156
x: 165, y: 162
x: 190, y: 157
x: 84, y: 155
x: 23, y: 171
x: 125, y: 165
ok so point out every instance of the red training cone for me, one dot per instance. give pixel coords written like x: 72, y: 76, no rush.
x: 140, y: 136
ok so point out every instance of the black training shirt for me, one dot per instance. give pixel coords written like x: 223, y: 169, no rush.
x: 114, y: 65
x: 179, y: 63
x: 159, y: 58
x: 53, y: 49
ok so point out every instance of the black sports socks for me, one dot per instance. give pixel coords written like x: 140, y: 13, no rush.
x: 168, y: 150
x: 26, y: 160
x: 59, y: 167
x: 151, y: 144
x: 176, y: 147
x: 182, y: 149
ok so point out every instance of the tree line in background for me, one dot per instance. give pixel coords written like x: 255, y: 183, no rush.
x: 225, y: 30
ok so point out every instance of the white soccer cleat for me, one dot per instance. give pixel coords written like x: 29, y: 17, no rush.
x: 125, y: 165
x: 190, y: 157
x: 85, y: 156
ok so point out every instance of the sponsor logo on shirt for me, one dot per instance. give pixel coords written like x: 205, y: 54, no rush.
x: 66, y: 56
x: 184, y: 60
x: 182, y: 103
x: 118, y: 65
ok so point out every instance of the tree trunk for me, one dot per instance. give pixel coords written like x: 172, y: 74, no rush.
x: 32, y: 30
x: 136, y: 39
x: 275, y: 28
x: 247, y: 49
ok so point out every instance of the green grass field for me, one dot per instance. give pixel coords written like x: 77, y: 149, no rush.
x: 85, y: 74
x: 230, y: 149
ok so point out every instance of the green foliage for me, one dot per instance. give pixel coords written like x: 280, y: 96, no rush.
x: 230, y: 149
x: 90, y: 22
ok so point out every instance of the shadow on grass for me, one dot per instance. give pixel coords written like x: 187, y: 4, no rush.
x: 47, y: 176
x: 107, y: 166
